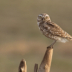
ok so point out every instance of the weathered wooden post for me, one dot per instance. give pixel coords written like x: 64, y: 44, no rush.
x: 44, y: 66
x: 36, y: 68
x: 46, y: 62
x: 23, y: 66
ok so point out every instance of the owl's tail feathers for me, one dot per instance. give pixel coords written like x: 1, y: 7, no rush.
x: 69, y: 38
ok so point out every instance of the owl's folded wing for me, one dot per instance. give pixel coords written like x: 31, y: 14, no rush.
x: 55, y: 30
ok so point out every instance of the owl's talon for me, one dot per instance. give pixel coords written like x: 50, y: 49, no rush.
x: 50, y: 47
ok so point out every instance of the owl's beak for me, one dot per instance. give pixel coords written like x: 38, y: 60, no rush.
x: 43, y: 19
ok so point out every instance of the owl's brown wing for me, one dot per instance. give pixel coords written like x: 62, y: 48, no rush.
x: 54, y: 29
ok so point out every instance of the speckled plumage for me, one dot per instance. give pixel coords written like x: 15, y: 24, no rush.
x: 51, y: 29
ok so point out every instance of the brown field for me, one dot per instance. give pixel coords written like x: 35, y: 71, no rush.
x: 20, y: 37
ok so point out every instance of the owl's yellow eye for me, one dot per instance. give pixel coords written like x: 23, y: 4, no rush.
x: 40, y: 17
x: 46, y: 17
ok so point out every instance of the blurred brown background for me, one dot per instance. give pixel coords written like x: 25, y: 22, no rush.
x: 21, y: 38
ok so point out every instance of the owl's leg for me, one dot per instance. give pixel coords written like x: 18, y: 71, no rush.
x: 52, y: 44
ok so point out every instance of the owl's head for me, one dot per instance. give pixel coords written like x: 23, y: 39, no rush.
x: 43, y: 17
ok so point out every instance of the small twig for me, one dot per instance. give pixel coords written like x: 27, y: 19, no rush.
x: 23, y: 66
x: 35, y: 67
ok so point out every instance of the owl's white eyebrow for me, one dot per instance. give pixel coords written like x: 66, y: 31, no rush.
x: 40, y: 15
x: 47, y: 15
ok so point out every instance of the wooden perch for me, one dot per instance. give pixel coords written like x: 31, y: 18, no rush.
x: 23, y: 66
x: 46, y: 62
x: 44, y: 66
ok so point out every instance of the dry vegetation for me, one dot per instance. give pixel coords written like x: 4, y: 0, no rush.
x: 21, y: 38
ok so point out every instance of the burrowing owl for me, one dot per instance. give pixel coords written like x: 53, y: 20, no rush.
x: 51, y: 29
